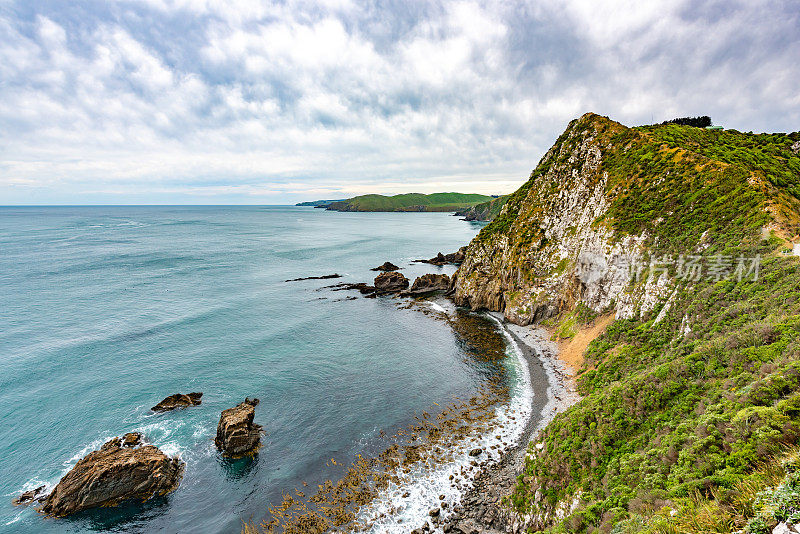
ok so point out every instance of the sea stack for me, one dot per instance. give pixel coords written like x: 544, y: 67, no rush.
x: 121, y: 470
x: 237, y: 435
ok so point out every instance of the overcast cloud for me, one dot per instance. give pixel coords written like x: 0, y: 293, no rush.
x: 192, y: 101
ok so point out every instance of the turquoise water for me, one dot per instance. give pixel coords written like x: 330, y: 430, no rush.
x: 106, y: 310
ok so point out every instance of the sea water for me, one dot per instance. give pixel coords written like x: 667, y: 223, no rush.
x: 104, y: 311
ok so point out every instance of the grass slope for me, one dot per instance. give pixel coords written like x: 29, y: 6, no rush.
x: 410, y: 202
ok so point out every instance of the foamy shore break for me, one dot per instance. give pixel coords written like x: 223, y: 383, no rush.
x: 479, y: 508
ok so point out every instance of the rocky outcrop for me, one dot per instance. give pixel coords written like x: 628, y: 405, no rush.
x: 31, y: 496
x: 361, y: 287
x: 485, y: 211
x: 386, y: 267
x: 237, y: 435
x: 392, y: 282
x: 131, y: 439
x: 439, y: 259
x: 551, y: 253
x: 121, y: 470
x: 456, y: 257
x: 428, y: 283
x: 323, y: 277
x: 443, y: 259
x: 178, y: 400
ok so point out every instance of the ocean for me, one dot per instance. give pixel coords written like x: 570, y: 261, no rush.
x: 104, y: 311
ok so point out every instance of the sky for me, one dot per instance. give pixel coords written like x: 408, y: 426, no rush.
x: 244, y: 102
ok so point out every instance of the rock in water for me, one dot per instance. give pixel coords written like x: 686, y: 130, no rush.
x: 387, y: 266
x: 237, y: 435
x: 114, y: 474
x: 391, y: 282
x: 431, y: 282
x: 440, y: 259
x: 178, y: 400
x: 456, y: 257
x: 27, y: 497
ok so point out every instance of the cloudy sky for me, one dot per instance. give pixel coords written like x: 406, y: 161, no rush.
x: 204, y: 101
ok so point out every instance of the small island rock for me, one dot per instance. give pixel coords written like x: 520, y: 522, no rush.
x: 386, y: 267
x: 391, y: 282
x: 237, y: 435
x: 114, y: 474
x: 430, y: 282
x: 178, y: 400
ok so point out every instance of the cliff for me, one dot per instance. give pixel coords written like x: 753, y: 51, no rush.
x: 685, y: 237
x: 602, y: 201
x: 485, y: 211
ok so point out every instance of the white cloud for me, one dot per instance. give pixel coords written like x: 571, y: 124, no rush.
x: 261, y: 99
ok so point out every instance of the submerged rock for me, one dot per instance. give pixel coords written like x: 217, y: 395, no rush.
x: 114, y: 474
x: 361, y: 287
x: 324, y: 277
x: 391, y: 282
x: 35, y: 495
x: 387, y: 266
x: 178, y: 400
x: 430, y: 282
x: 237, y: 435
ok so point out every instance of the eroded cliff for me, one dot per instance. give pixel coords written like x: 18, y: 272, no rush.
x: 604, y: 203
x: 686, y: 235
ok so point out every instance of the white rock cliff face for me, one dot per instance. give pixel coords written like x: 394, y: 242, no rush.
x: 558, y: 251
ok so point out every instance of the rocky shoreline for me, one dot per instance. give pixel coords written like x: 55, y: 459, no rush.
x: 481, y: 510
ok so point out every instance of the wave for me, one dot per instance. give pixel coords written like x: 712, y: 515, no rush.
x: 162, y: 433
x: 406, y: 505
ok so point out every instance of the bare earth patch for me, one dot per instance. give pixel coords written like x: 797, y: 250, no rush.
x: 571, y: 351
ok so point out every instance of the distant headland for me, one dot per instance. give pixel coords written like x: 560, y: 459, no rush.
x: 403, y: 202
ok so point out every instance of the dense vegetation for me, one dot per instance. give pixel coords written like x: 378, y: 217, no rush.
x: 683, y: 405
x: 410, y: 202
x: 697, y: 122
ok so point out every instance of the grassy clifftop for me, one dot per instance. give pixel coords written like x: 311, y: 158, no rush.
x: 685, y: 236
x: 410, y: 202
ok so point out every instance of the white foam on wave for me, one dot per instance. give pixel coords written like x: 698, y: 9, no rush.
x: 161, y: 433
x: 561, y: 393
x: 438, y: 308
x: 394, y: 512
x: 66, y: 465
x: 16, y: 518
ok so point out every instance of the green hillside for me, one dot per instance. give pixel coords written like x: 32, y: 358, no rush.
x: 410, y: 202
x: 693, y: 392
